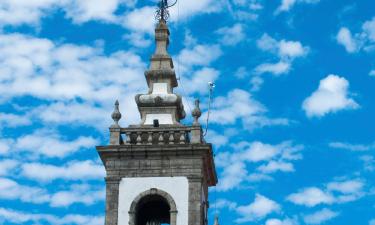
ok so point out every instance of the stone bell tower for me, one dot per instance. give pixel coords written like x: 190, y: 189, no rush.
x: 159, y: 171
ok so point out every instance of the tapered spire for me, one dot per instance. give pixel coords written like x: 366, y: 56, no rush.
x: 216, y: 220
x: 161, y: 105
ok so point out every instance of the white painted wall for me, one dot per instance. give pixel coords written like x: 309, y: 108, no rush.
x: 177, y: 187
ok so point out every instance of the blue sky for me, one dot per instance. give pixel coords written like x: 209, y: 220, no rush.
x: 292, y: 117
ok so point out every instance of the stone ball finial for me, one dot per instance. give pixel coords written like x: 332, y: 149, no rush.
x: 116, y: 115
x: 196, y: 112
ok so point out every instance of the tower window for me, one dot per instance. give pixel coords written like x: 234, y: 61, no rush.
x: 153, y: 210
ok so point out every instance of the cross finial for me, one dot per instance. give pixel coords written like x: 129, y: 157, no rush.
x: 162, y: 14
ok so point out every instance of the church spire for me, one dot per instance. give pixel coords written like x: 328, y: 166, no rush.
x: 158, y: 171
x: 216, y: 220
x: 161, y: 105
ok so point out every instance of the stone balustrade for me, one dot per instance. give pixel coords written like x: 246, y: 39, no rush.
x: 147, y: 135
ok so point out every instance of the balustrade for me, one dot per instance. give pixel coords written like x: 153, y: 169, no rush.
x: 158, y: 136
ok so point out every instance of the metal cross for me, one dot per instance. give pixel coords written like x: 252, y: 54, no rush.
x: 162, y: 12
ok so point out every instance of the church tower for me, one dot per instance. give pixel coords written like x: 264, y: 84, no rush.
x: 158, y: 171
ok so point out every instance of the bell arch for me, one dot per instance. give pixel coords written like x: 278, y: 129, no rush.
x: 153, y: 207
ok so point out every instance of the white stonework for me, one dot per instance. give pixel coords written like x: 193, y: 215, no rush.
x: 167, y: 98
x: 163, y: 119
x: 130, y: 188
x: 160, y: 88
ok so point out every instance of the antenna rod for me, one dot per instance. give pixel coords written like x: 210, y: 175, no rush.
x: 211, y: 87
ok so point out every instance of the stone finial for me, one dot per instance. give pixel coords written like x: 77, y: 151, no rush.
x: 216, y: 220
x: 116, y: 115
x: 196, y: 112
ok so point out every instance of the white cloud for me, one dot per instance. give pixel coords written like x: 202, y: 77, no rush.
x: 77, y: 194
x: 24, y: 12
x: 218, y: 140
x: 274, y: 166
x: 192, y: 8
x: 232, y: 35
x: 192, y: 65
x: 85, y: 194
x: 232, y: 176
x: 75, y: 170
x: 224, y: 203
x: 198, y: 82
x: 311, y: 197
x: 287, y: 51
x: 260, y: 152
x: 18, y: 12
x: 5, y: 146
x: 372, y: 222
x: 140, y: 20
x: 138, y: 40
x: 261, y: 207
x: 345, y: 38
x: 275, y: 69
x: 239, y: 105
x: 336, y: 192
x: 7, y: 166
x: 346, y: 187
x: 346, y: 190
x: 268, y: 159
x: 292, y: 49
x: 11, y: 190
x: 281, y: 222
x: 199, y: 55
x: 286, y: 5
x: 369, y: 162
x: 283, y: 48
x: 320, y: 216
x: 13, y: 120
x: 245, y: 10
x: 83, y: 11
x: 258, y: 177
x: 76, y: 114
x: 331, y: 96
x: 267, y: 43
x: 52, y: 71
x: 78, y: 83
x: 362, y: 40
x: 51, y: 145
x: 19, y: 217
x: 241, y: 72
x: 372, y: 73
x: 352, y: 147
x: 256, y: 83
x: 369, y: 29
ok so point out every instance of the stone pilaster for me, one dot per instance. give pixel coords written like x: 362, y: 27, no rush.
x: 112, y: 194
x: 195, y: 201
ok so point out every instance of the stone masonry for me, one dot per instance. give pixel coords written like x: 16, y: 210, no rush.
x: 163, y: 147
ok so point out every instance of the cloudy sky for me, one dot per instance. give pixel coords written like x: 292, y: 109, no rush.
x: 291, y: 121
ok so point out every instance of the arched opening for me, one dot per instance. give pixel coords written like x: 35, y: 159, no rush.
x: 153, y: 207
x: 153, y: 210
